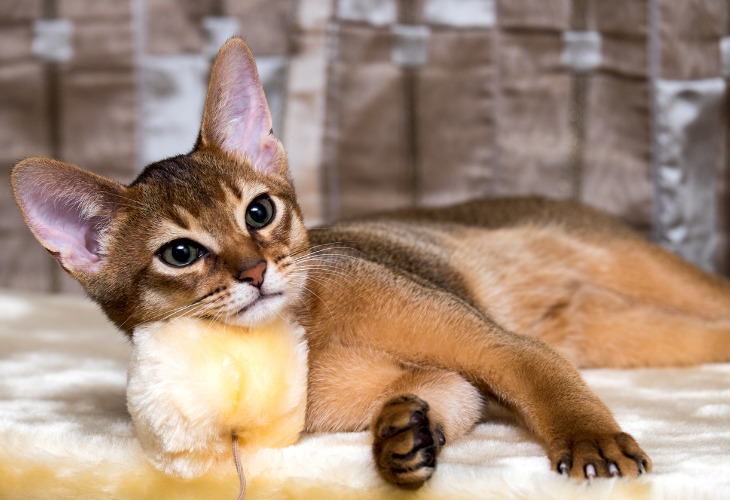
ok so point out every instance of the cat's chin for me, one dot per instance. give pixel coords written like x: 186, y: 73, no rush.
x: 264, y: 309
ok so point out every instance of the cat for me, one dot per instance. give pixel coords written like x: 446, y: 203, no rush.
x: 416, y: 320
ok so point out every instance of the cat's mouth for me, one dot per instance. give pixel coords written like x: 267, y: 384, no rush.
x: 260, y: 310
x: 263, y: 297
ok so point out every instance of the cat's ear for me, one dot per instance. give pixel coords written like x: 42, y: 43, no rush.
x: 68, y: 210
x: 236, y: 118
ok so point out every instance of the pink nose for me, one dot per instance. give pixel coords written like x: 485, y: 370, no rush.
x: 253, y: 275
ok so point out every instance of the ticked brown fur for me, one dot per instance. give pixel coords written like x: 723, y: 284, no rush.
x: 417, y: 321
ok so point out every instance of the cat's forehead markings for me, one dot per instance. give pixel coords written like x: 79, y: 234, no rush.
x: 183, y: 218
x: 251, y: 190
x: 231, y: 193
x: 231, y: 190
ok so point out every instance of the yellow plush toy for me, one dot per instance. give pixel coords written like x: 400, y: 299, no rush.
x: 194, y: 384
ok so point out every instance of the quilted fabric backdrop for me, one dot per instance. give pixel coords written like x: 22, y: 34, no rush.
x: 388, y: 103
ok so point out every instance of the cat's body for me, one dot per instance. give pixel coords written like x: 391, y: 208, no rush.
x: 437, y: 292
x: 410, y: 316
x: 556, y: 270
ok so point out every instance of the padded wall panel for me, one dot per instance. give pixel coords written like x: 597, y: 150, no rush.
x: 617, y: 175
x: 533, y: 132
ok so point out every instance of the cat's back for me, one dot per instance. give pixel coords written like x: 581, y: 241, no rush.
x: 420, y: 229
x: 499, y: 213
x: 446, y: 245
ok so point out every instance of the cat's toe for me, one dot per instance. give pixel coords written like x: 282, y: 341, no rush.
x: 406, y: 442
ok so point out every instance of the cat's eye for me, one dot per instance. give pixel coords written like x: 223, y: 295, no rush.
x: 260, y: 212
x: 181, y: 253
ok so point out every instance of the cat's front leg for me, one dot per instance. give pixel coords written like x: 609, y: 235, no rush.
x: 411, y: 411
x: 419, y: 324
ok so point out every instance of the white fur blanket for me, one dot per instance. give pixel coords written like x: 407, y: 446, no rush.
x: 65, y: 431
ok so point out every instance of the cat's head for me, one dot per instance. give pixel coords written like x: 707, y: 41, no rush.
x: 215, y: 233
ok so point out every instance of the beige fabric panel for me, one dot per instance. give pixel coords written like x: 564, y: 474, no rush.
x: 98, y: 107
x: 305, y: 107
x: 177, y: 26
x: 23, y: 263
x: 626, y: 56
x: 22, y: 99
x: 265, y: 24
x: 617, y: 175
x: 534, y: 14
x: 19, y: 11
x: 102, y: 44
x: 171, y: 29
x: 15, y: 40
x: 98, y: 95
x: 22, y: 112
x: 492, y: 111
x: 690, y: 33
x: 623, y: 26
x: 533, y: 123
x: 365, y: 152
x: 99, y: 122
x: 454, y: 118
x: 23, y: 132
x: 620, y: 18
x: 84, y: 10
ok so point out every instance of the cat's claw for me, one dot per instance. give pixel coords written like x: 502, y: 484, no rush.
x: 590, y: 471
x: 564, y: 466
x: 613, y: 470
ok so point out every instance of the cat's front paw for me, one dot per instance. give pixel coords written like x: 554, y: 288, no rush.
x: 406, y: 442
x: 599, y: 455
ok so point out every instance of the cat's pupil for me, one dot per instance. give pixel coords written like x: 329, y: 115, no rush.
x: 259, y: 212
x: 181, y: 253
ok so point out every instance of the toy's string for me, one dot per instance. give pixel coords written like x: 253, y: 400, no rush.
x: 239, y: 469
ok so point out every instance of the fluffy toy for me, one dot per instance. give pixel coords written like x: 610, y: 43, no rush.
x: 194, y: 384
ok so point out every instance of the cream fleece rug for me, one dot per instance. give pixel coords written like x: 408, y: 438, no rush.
x: 65, y: 431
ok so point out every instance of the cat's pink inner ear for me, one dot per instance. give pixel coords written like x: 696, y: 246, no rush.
x: 68, y: 233
x: 237, y: 117
x: 67, y: 209
x: 246, y: 120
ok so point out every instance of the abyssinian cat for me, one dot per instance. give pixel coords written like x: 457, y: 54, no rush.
x: 414, y: 319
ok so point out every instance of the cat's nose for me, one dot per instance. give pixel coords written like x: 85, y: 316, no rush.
x: 253, y: 275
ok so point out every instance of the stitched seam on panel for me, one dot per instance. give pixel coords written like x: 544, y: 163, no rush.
x: 493, y: 188
x: 52, y: 75
x: 722, y: 252
x: 410, y: 115
x: 653, y: 47
x: 330, y: 175
x: 577, y: 113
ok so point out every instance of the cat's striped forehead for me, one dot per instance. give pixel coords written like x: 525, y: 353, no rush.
x: 196, y: 182
x: 212, y: 220
x: 205, y: 198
